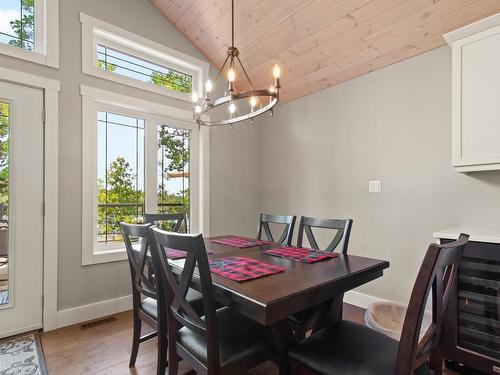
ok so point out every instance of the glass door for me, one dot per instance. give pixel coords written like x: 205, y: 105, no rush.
x: 21, y: 213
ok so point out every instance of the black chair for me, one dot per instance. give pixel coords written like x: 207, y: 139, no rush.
x: 148, y: 304
x: 342, y: 227
x: 177, y: 221
x: 286, y: 236
x: 221, y: 341
x: 349, y: 348
x: 304, y: 321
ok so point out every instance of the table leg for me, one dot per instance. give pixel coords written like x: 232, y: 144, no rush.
x: 329, y: 312
x: 282, y: 338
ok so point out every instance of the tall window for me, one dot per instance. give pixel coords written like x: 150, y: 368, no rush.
x: 17, y: 23
x: 173, y: 170
x: 120, y: 174
x: 118, y: 62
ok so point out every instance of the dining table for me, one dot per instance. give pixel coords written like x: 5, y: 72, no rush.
x: 271, y: 299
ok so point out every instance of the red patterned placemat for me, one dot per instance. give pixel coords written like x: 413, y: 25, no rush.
x: 177, y: 254
x: 300, y: 254
x: 242, y: 269
x: 240, y: 242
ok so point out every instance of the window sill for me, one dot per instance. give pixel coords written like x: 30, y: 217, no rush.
x: 110, y: 76
x: 105, y: 256
x: 31, y: 56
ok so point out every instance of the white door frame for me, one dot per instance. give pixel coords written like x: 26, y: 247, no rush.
x: 51, y: 90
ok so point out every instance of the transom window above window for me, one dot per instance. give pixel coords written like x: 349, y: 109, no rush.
x: 17, y: 23
x: 116, y: 54
x: 127, y: 65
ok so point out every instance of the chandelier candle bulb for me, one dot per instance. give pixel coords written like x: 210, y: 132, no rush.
x: 208, y: 87
x: 232, y: 108
x: 253, y: 102
x: 276, y: 71
x: 231, y: 75
x: 194, y: 96
x: 198, y: 109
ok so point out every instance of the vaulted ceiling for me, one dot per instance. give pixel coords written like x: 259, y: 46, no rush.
x: 320, y: 43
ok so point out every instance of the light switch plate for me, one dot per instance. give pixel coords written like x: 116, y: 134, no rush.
x: 374, y: 186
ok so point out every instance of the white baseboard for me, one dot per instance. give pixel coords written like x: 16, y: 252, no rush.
x: 20, y: 330
x: 93, y: 311
x: 361, y: 299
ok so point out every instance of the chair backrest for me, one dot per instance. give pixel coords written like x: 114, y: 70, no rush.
x: 143, y: 280
x: 343, y: 228
x: 177, y: 220
x: 438, y: 274
x: 286, y: 236
x: 180, y: 310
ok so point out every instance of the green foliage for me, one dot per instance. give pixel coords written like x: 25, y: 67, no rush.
x: 24, y: 28
x: 174, y: 143
x: 173, y: 80
x: 119, y: 200
x: 101, y: 64
x: 175, y: 146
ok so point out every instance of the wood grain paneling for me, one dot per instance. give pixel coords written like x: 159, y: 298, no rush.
x: 320, y: 43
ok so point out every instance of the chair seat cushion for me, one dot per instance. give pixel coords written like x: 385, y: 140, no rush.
x: 195, y: 298
x: 349, y: 348
x: 239, y: 339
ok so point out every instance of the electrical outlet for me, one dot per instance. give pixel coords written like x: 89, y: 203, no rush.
x: 374, y: 186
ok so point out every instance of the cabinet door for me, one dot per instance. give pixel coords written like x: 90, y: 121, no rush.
x: 476, y: 102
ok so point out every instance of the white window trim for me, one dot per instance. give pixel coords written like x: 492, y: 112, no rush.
x: 95, y: 31
x: 94, y: 100
x: 47, y: 49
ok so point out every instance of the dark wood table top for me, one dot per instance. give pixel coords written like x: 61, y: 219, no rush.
x: 270, y: 299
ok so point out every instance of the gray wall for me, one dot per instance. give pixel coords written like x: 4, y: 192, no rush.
x: 83, y: 285
x: 320, y: 151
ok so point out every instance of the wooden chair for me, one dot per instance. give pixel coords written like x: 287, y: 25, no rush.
x: 342, y: 227
x: 286, y: 236
x: 177, y: 219
x: 221, y: 341
x: 349, y: 348
x: 303, y: 321
x: 148, y: 304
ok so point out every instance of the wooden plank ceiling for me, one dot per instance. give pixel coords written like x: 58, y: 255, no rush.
x: 319, y: 43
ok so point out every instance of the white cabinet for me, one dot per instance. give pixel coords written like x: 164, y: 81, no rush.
x: 476, y: 95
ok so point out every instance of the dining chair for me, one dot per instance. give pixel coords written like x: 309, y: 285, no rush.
x: 304, y: 320
x: 148, y: 305
x: 178, y: 219
x: 342, y: 232
x: 264, y: 229
x: 218, y: 342
x: 364, y: 351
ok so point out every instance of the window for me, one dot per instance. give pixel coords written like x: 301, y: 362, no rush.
x: 138, y: 157
x: 120, y: 175
x: 17, y: 27
x: 173, y: 170
x: 118, y: 55
x: 29, y: 30
x: 112, y: 60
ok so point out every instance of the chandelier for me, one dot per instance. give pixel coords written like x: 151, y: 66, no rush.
x: 259, y: 101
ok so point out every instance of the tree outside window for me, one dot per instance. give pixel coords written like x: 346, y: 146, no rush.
x: 19, y: 30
